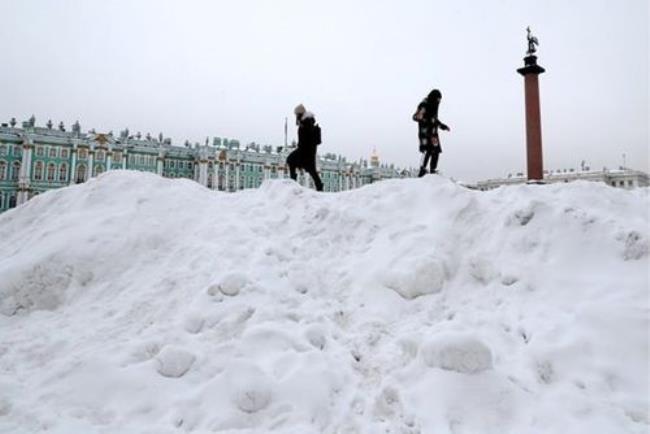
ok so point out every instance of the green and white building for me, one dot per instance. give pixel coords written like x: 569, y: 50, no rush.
x: 36, y: 159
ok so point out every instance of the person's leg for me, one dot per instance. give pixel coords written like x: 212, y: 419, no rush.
x: 423, y: 164
x: 314, y: 175
x: 292, y: 163
x: 434, y: 161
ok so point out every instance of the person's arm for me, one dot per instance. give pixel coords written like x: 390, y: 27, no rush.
x: 419, y: 114
x: 303, y: 138
x: 442, y: 126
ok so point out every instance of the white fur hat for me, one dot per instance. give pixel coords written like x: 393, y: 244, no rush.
x: 299, y: 110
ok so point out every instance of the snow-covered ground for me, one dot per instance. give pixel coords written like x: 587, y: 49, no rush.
x: 137, y: 304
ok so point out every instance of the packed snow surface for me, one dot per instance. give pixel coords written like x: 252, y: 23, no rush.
x: 137, y: 304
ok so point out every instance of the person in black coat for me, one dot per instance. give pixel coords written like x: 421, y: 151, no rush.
x: 304, y: 157
x: 426, y: 116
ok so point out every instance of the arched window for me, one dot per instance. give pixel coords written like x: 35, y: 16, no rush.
x: 12, y: 201
x: 63, y: 172
x: 2, y: 200
x: 38, y: 171
x: 15, y: 171
x: 98, y: 170
x: 51, y: 172
x: 81, y: 174
x: 3, y: 170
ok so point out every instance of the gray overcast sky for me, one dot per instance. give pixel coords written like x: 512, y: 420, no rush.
x: 235, y: 69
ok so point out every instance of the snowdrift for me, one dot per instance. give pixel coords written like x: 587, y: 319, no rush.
x: 137, y: 304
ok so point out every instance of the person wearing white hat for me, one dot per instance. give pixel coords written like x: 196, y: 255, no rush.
x: 309, y: 137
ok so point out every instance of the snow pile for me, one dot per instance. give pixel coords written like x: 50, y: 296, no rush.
x: 136, y: 304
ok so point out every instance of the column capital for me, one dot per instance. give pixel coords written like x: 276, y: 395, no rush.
x: 531, y: 66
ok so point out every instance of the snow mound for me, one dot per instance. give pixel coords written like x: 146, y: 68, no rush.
x: 174, y: 362
x: 457, y: 352
x: 133, y: 303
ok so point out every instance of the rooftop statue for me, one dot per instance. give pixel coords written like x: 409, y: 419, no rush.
x: 61, y: 126
x: 76, y: 128
x: 532, y: 42
x: 49, y: 124
x: 12, y: 122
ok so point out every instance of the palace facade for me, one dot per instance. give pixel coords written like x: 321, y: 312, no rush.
x: 620, y: 178
x: 36, y: 159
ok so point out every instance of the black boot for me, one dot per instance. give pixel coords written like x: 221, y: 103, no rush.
x: 423, y: 172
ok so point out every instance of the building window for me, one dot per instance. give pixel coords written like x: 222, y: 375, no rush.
x: 630, y: 183
x: 100, y: 155
x: 18, y: 151
x: 81, y: 174
x: 3, y: 149
x: 117, y: 157
x: 15, y: 172
x: 51, y: 171
x: 12, y: 201
x: 98, y: 170
x: 2, y: 200
x: 3, y: 170
x: 52, y: 152
x: 621, y: 183
x: 83, y: 154
x: 38, y: 171
x: 64, y: 153
x: 40, y: 151
x: 63, y: 172
x: 141, y: 160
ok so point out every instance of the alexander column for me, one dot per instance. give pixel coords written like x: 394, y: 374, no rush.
x: 533, y: 119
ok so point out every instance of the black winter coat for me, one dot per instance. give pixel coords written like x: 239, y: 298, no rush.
x: 305, y: 155
x: 428, y: 123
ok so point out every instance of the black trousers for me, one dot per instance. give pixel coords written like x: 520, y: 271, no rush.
x: 297, y: 160
x: 429, y: 156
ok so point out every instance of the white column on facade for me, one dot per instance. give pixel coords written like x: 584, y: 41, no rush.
x: 226, y: 186
x: 203, y: 173
x: 124, y: 157
x: 237, y: 169
x: 89, y: 169
x: 215, y: 175
x: 24, y: 175
x: 25, y: 169
x: 109, y: 159
x: 159, y: 165
x: 73, y: 166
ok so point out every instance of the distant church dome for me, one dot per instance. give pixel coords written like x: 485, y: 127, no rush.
x: 374, y: 158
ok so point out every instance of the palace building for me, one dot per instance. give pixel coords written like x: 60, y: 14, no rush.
x: 36, y: 159
x: 620, y: 178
